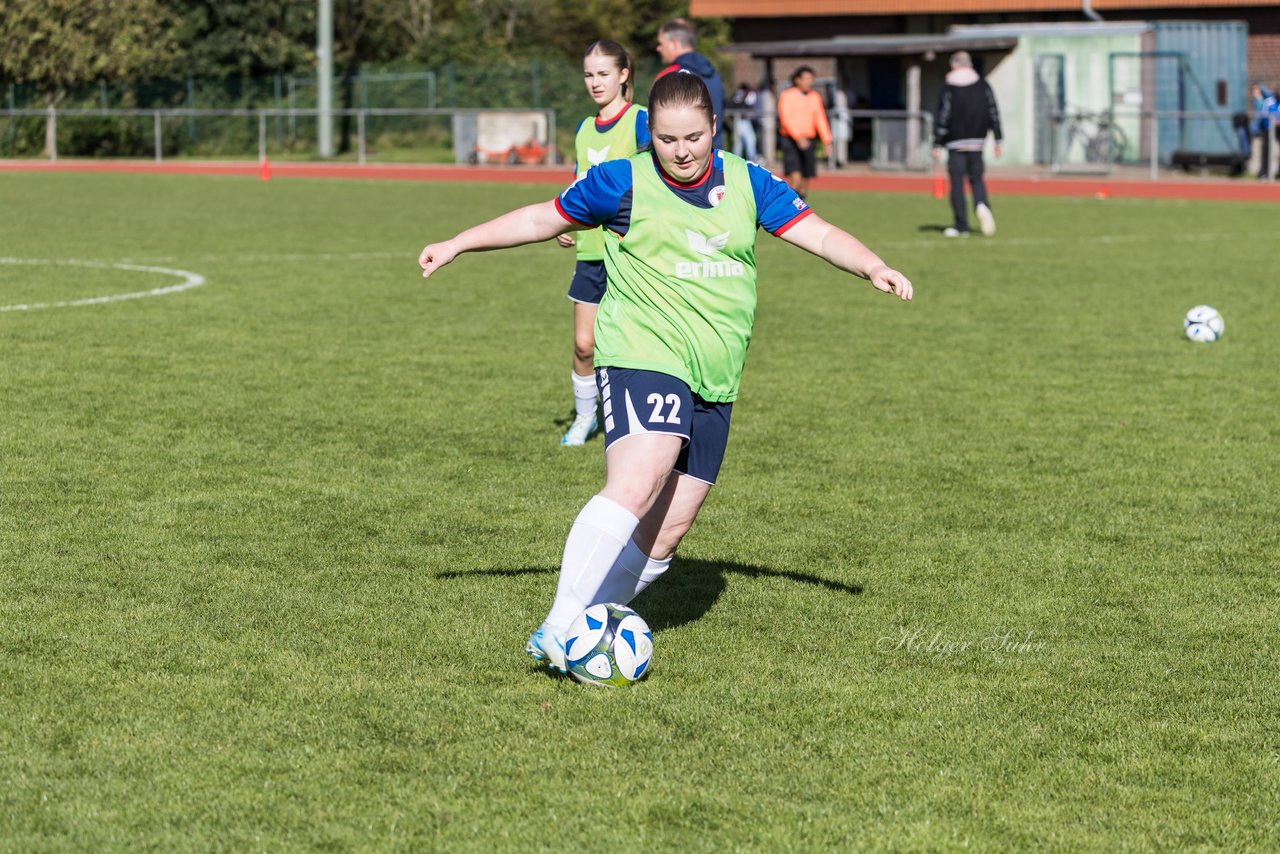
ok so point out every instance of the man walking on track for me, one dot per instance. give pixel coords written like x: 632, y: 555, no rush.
x: 967, y: 112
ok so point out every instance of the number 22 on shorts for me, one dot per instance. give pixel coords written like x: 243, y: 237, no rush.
x: 672, y: 412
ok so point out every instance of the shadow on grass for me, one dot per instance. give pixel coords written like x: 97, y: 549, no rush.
x: 934, y: 228
x: 686, y: 592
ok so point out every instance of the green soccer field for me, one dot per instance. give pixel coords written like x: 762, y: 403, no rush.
x: 996, y: 568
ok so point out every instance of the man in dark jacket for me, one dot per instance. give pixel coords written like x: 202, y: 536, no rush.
x: 676, y: 42
x: 966, y: 114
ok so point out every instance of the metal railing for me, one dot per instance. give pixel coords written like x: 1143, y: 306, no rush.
x: 1096, y: 142
x: 361, y: 116
x: 887, y: 139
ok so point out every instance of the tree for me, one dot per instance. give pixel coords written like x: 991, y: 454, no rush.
x: 363, y: 31
x: 244, y: 38
x: 55, y: 45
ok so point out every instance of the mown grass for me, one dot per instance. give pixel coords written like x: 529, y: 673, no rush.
x: 994, y: 569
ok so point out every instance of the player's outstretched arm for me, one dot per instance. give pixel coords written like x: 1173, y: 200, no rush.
x: 531, y: 224
x: 841, y: 249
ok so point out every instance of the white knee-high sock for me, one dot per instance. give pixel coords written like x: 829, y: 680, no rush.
x: 584, y: 394
x: 631, y: 573
x: 595, y: 540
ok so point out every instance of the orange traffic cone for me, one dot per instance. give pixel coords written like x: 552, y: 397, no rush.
x: 939, y: 185
x: 264, y: 170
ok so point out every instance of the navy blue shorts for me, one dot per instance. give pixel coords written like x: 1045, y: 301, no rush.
x: 651, y: 402
x: 588, y: 282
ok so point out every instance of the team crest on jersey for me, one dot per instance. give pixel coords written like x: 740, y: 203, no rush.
x: 799, y: 203
x: 594, y: 157
x: 716, y: 196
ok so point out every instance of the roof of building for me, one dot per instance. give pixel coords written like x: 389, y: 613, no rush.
x: 823, y: 8
x: 875, y: 45
x: 982, y: 37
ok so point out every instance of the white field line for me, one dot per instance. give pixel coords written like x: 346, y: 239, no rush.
x: 1106, y: 239
x: 274, y: 257
x: 931, y: 242
x: 189, y: 280
x: 912, y: 243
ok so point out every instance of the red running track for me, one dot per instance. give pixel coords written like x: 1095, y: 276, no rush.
x: 1181, y: 188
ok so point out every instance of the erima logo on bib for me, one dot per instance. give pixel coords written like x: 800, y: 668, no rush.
x: 708, y: 246
x: 595, y: 157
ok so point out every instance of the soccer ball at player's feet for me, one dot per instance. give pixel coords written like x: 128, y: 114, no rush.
x: 1204, y: 324
x: 608, y: 645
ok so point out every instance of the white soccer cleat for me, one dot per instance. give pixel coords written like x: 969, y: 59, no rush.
x: 951, y: 231
x: 986, y: 220
x: 544, y: 646
x: 582, y: 429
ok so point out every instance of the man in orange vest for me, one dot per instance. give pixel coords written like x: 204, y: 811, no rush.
x: 802, y: 121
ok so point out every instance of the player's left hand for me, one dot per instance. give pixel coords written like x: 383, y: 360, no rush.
x: 566, y: 240
x: 435, y: 256
x: 889, y: 280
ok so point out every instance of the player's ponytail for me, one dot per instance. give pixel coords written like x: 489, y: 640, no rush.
x: 620, y: 57
x: 680, y: 89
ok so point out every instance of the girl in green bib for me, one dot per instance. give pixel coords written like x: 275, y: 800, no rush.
x: 680, y: 225
x: 619, y: 129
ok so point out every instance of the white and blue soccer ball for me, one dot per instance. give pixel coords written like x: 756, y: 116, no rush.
x: 1204, y: 324
x: 608, y: 645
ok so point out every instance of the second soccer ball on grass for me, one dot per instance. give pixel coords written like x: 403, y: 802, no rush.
x: 1203, y: 324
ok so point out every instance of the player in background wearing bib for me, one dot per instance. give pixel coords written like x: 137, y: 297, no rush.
x: 671, y: 335
x: 618, y: 130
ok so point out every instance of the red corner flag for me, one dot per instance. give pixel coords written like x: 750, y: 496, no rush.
x: 264, y: 170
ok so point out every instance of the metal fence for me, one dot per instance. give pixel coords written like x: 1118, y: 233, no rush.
x: 511, y: 83
x: 884, y: 139
x: 1095, y: 142
x: 399, y: 133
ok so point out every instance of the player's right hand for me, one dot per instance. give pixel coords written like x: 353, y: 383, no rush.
x: 566, y: 240
x: 434, y: 256
x: 890, y: 281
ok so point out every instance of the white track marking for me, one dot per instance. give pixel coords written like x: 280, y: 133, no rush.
x: 189, y: 280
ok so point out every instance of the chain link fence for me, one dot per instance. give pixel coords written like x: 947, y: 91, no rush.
x: 208, y: 118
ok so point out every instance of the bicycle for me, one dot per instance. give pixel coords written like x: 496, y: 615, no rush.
x: 1101, y: 139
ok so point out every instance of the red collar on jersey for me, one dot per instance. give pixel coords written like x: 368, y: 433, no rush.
x: 620, y: 114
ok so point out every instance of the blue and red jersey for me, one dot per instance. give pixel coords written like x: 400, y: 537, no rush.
x: 604, y: 196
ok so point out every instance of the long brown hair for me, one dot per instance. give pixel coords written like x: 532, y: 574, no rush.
x: 680, y: 89
x: 620, y: 57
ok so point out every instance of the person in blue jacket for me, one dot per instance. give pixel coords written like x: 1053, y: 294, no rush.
x: 677, y: 40
x: 1266, y: 112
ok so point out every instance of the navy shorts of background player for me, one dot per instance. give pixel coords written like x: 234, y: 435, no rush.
x: 588, y: 283
x: 635, y: 402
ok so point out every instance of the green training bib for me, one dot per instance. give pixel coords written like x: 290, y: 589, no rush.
x: 682, y: 283
x: 592, y: 147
